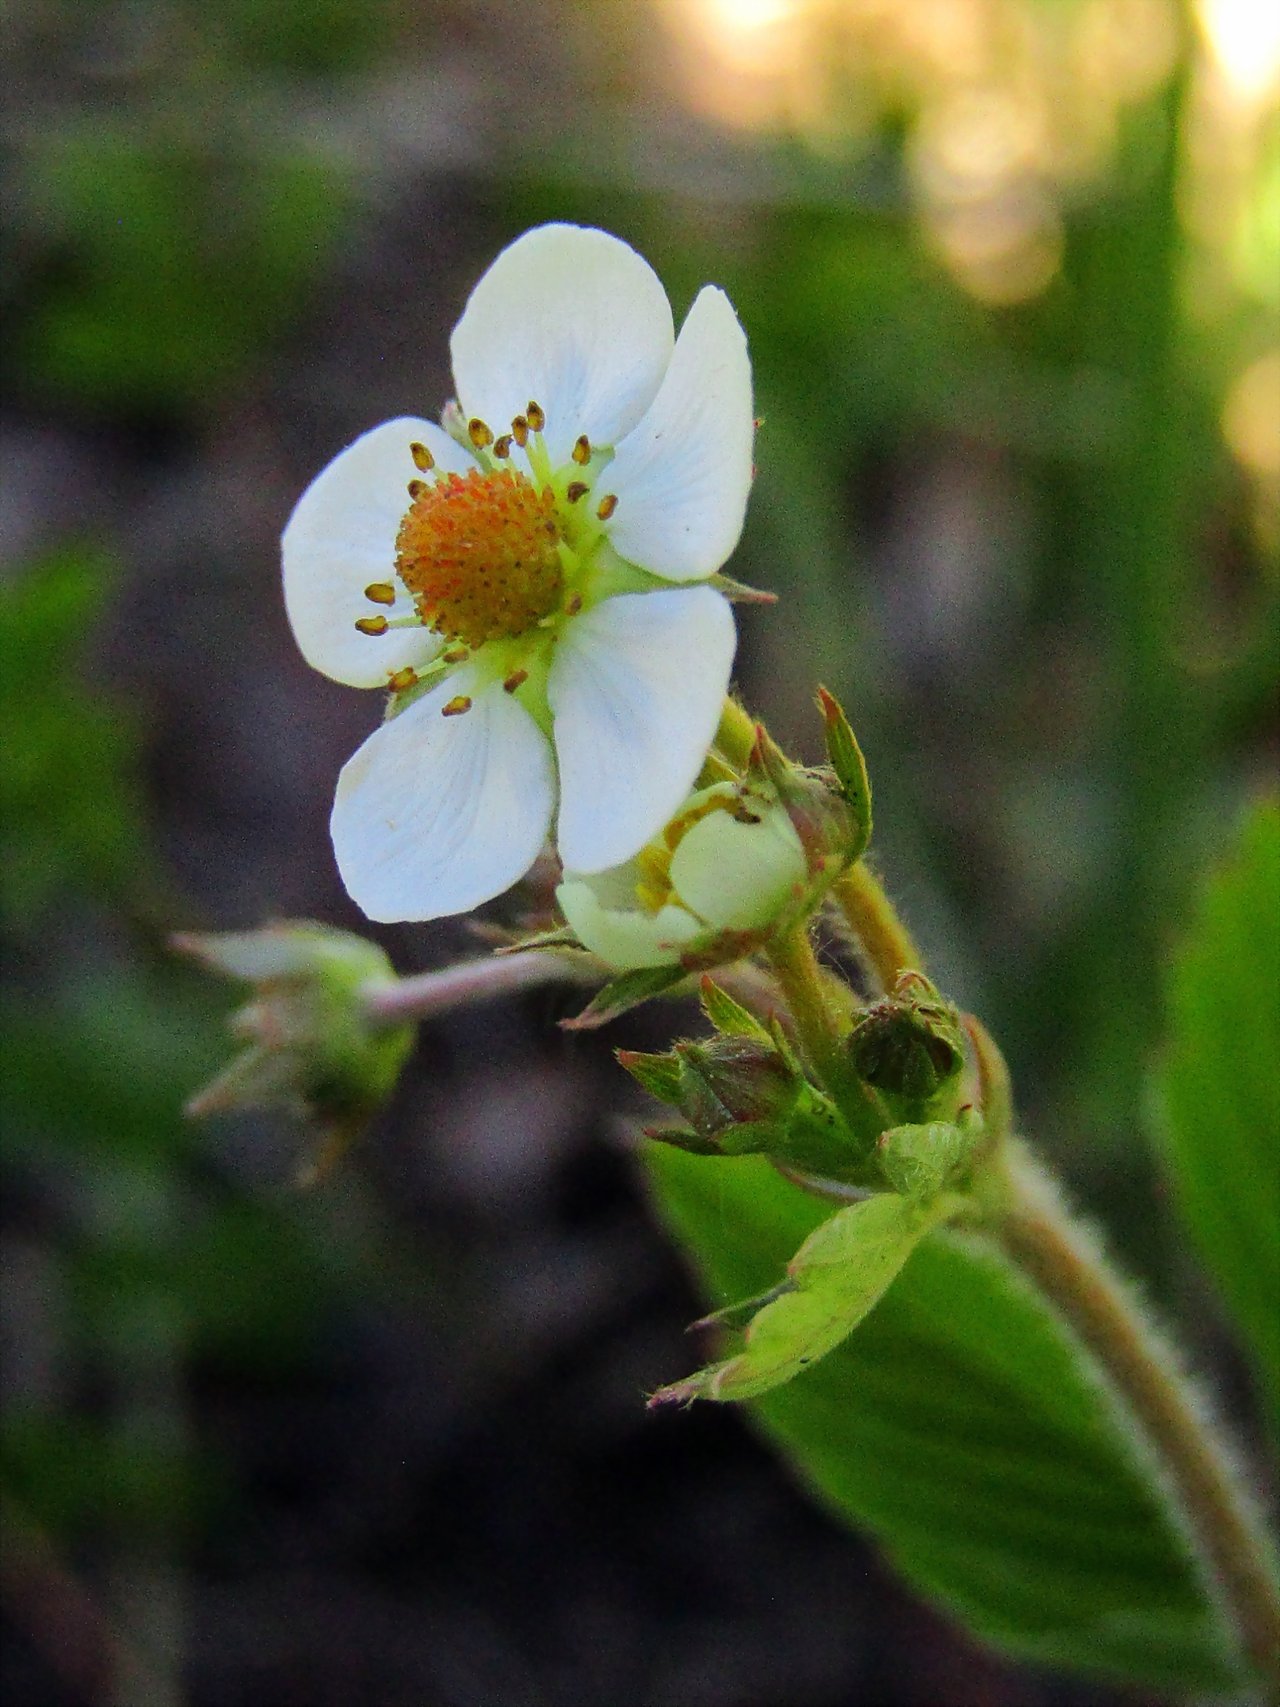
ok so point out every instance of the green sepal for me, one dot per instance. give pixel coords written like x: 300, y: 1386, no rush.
x: 622, y: 994
x: 661, y: 1075
x: 739, y: 593
x: 845, y: 756
x: 835, y: 1279
x: 728, y: 1017
x: 560, y: 938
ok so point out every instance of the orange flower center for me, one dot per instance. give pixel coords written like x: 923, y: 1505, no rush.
x: 479, y: 554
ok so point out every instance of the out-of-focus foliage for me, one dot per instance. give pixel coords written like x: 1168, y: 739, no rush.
x: 1220, y: 1086
x: 1009, y: 274
x: 69, y: 789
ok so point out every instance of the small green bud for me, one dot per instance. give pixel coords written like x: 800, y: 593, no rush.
x: 310, y: 1045
x: 910, y: 1049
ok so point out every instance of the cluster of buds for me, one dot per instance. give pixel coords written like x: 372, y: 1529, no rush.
x: 311, y: 1044
x: 744, y: 1091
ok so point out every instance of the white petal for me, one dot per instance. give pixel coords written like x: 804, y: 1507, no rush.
x: 739, y: 876
x: 625, y: 938
x: 683, y: 475
x: 572, y: 319
x: 636, y: 691
x: 341, y: 536
x: 435, y: 814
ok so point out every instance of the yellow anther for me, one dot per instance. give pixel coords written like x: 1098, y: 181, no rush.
x: 422, y: 458
x: 456, y: 706
x: 455, y: 654
x: 502, y: 446
x: 514, y: 680
x: 536, y: 416
x: 399, y: 680
x: 417, y: 488
x: 576, y: 490
x: 520, y: 431
x: 478, y: 433
x: 380, y: 593
x: 372, y: 624
x: 573, y: 605
x: 607, y: 505
x: 582, y: 450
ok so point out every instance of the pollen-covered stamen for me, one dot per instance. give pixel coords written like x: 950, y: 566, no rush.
x: 479, y: 434
x: 456, y: 706
x: 536, y: 416
x: 380, y: 593
x: 479, y: 553
x: 399, y: 680
x: 372, y: 624
x: 515, y: 679
x: 576, y: 490
x: 520, y: 431
x: 582, y: 450
x: 607, y: 505
x: 502, y: 446
x: 423, y: 460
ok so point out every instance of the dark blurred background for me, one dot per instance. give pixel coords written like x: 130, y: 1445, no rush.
x: 1010, y: 270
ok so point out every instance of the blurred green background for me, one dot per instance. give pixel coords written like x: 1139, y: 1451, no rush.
x: 1010, y: 270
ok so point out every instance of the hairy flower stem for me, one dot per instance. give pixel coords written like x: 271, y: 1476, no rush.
x: 1026, y: 1216
x: 1062, y: 1258
x: 870, y: 915
x: 431, y: 993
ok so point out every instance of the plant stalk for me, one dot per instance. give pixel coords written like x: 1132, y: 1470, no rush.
x: 430, y: 993
x: 1226, y: 1531
x: 886, y: 943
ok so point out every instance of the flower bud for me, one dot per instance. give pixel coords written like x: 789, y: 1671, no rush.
x: 909, y: 1048
x: 310, y: 1045
x: 710, y: 888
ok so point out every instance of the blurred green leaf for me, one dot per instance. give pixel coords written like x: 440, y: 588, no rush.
x: 177, y: 263
x: 1219, y: 1086
x: 958, y: 1427
x: 67, y: 785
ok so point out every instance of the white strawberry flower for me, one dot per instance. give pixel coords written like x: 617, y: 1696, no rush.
x: 531, y: 585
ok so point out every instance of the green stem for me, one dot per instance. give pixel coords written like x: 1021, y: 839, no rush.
x: 808, y: 992
x: 736, y: 735
x: 871, y: 917
x: 1064, y: 1261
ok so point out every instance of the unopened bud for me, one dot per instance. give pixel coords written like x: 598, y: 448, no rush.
x: 909, y: 1048
x: 709, y: 889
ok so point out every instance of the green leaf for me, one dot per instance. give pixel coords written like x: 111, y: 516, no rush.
x: 837, y: 1276
x: 958, y: 1427
x: 1219, y: 1087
